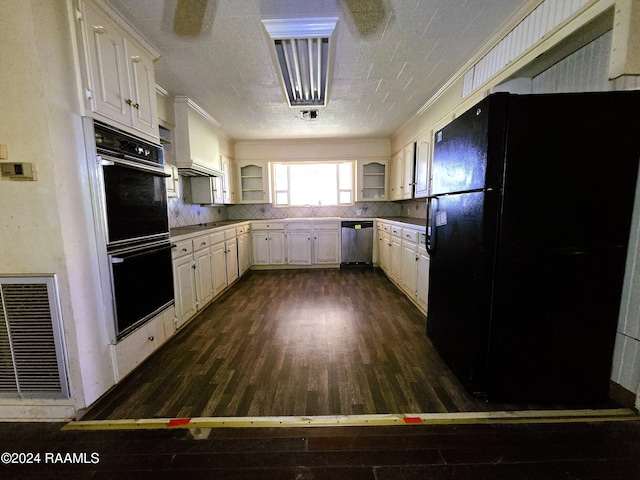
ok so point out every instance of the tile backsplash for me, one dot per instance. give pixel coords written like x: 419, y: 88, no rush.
x: 183, y: 213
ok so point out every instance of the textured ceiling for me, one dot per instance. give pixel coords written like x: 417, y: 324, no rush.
x: 391, y: 57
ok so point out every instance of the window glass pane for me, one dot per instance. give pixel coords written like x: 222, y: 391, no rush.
x: 280, y: 175
x: 345, y: 176
x: 314, y: 184
x: 345, y: 197
x: 281, y: 198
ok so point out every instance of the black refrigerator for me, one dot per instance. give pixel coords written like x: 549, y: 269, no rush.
x: 530, y: 213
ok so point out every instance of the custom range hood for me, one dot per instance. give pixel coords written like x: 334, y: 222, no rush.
x: 197, y: 146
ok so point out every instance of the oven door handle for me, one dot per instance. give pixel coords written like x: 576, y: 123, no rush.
x: 111, y: 161
x: 125, y: 257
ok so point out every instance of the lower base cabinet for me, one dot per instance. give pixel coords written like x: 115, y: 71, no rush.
x: 203, y: 267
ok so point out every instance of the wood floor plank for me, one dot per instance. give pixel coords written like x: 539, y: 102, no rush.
x: 303, y: 342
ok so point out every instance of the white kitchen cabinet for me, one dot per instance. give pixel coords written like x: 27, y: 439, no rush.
x: 395, y: 253
x: 231, y: 259
x: 384, y: 247
x: 119, y: 78
x: 407, y: 171
x: 409, y: 262
x: 396, y: 177
x: 402, y: 168
x: 372, y: 180
x: 299, y: 247
x: 326, y: 243
x: 243, y: 236
x: 184, y: 280
x: 253, y: 182
x: 203, y: 271
x: 299, y: 243
x: 228, y: 179
x: 173, y: 180
x: 422, y: 281
x: 268, y: 244
x: 206, y: 190
x: 219, y: 266
x: 423, y: 166
x: 196, y: 140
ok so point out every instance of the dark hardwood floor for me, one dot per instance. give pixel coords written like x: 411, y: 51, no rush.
x: 301, y: 343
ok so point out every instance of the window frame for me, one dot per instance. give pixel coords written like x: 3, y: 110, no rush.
x: 339, y: 191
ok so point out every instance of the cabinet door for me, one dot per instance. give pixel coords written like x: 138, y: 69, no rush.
x: 244, y: 253
x: 232, y: 260
x: 219, y: 267
x: 106, y: 65
x: 185, y: 289
x: 397, y: 163
x: 204, y: 277
x: 228, y: 180
x: 409, y: 268
x: 422, y: 286
x: 299, y: 248
x: 423, y: 166
x: 395, y: 260
x: 407, y: 171
x: 142, y: 86
x: 260, y: 244
x: 326, y: 246
x: 276, y: 248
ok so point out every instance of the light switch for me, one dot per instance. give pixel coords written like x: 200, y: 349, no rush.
x: 3, y: 152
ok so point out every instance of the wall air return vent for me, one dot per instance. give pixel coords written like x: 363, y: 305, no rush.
x: 302, y: 50
x: 32, y: 361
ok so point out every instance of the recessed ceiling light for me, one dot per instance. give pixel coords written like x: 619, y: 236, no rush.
x: 302, y: 49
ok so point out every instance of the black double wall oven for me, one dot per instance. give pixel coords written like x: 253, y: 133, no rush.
x: 132, y: 192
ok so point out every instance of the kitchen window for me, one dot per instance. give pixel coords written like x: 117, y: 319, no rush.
x: 326, y: 183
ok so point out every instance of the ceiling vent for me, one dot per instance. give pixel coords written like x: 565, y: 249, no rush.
x: 302, y: 51
x: 309, y: 114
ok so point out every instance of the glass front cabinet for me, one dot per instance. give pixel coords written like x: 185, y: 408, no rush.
x: 253, y: 181
x: 372, y: 180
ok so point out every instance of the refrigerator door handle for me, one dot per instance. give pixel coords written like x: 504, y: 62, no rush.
x: 431, y: 237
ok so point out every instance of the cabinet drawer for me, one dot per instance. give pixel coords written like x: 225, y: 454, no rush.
x: 326, y: 226
x: 298, y: 226
x: 229, y: 234
x: 397, y: 231
x: 386, y: 227
x: 240, y: 230
x: 216, y: 237
x: 410, y: 235
x: 268, y: 226
x: 200, y: 242
x: 182, y: 248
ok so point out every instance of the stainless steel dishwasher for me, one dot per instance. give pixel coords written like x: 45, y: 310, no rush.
x: 357, y: 243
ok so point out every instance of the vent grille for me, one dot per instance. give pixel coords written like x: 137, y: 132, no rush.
x: 547, y: 16
x: 31, y: 360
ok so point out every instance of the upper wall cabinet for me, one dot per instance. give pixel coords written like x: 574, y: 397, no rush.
x: 119, y: 79
x: 196, y: 137
x: 372, y: 180
x: 423, y: 166
x: 253, y: 181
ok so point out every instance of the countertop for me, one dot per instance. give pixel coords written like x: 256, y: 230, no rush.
x: 194, y: 230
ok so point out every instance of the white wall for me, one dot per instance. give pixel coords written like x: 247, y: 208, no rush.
x: 46, y: 226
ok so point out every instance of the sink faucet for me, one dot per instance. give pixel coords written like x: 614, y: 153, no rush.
x: 313, y: 213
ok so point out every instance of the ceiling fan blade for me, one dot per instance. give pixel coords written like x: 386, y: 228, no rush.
x: 189, y: 17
